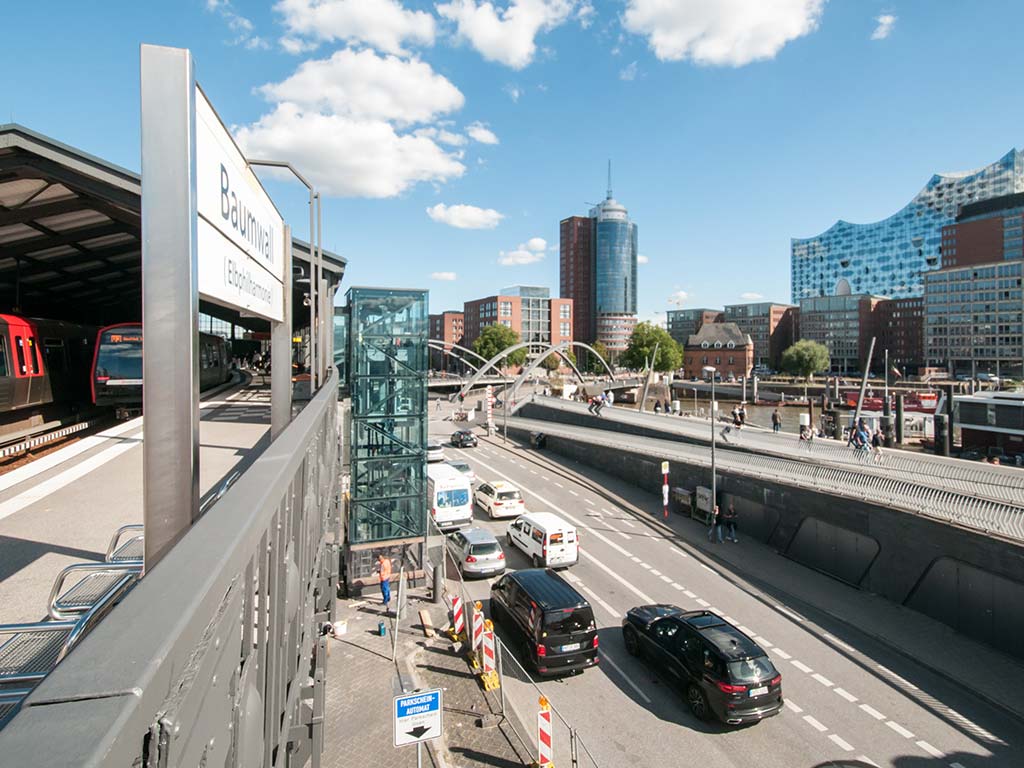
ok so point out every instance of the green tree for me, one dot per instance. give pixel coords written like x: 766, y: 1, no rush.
x: 805, y: 358
x: 554, y: 361
x: 496, y: 338
x: 593, y: 364
x: 641, y: 346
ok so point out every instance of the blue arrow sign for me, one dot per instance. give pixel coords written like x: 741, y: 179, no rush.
x: 417, y: 717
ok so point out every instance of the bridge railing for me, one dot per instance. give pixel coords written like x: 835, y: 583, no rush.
x: 215, y: 657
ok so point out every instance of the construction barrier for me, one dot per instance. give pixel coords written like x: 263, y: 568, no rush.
x: 545, y: 746
x: 458, y: 617
x: 489, y: 676
x: 477, y: 637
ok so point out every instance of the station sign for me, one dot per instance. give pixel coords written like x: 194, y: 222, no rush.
x: 240, y: 234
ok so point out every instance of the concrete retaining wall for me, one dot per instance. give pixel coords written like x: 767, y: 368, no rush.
x: 973, y: 582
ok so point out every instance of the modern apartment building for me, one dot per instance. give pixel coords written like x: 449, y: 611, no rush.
x: 683, y: 323
x: 598, y: 272
x: 891, y: 257
x: 528, y: 310
x: 844, y: 324
x: 769, y: 325
x: 446, y: 327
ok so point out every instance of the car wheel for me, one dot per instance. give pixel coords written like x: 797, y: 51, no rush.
x: 508, y: 537
x: 631, y: 640
x: 697, y: 702
x: 536, y: 561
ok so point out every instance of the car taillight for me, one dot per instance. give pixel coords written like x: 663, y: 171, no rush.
x: 102, y: 378
x: 471, y: 559
x: 595, y: 641
x: 777, y: 680
x: 501, y: 556
x: 497, y: 503
x: 433, y: 512
x: 542, y: 651
x: 727, y: 688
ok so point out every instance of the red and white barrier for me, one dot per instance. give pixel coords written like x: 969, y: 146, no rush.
x: 545, y: 750
x: 487, y: 660
x: 458, y: 617
x: 478, y: 625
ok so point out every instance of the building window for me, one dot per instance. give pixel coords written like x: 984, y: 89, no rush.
x: 506, y: 309
x: 563, y: 311
x: 563, y: 329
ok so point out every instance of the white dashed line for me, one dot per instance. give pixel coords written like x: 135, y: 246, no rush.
x: 607, y: 511
x: 589, y: 502
x: 533, y: 472
x: 678, y: 551
x: 929, y: 749
x: 762, y: 642
x: 823, y: 680
x: 666, y: 579
x: 645, y: 566
x: 690, y: 595
x: 801, y: 666
x: 559, y: 484
x: 781, y: 653
x: 626, y: 536
x: 730, y: 619
x: 544, y: 477
x: 845, y: 694
x: 627, y: 523
x: 706, y: 568
x: 815, y: 724
x: 635, y: 559
x: 624, y: 676
x: 680, y: 587
x: 655, y: 573
x: 703, y: 603
x: 839, y: 742
x: 790, y: 705
x: 713, y: 609
x: 788, y: 613
x: 746, y: 630
x: 873, y: 712
x: 573, y: 492
x: 899, y: 729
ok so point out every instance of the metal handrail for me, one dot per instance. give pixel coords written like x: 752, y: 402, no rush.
x: 129, y: 572
x: 115, y: 540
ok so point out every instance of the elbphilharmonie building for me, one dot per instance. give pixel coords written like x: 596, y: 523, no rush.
x: 889, y: 257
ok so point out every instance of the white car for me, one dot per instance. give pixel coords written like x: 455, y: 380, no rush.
x: 500, y: 499
x: 435, y: 451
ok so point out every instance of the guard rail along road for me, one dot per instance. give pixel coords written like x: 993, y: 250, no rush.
x: 214, y: 658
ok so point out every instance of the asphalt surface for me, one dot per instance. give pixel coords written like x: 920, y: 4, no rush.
x: 64, y: 508
x: 850, y: 700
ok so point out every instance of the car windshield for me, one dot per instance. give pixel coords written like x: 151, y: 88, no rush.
x: 455, y: 498
x: 569, y: 620
x: 460, y: 465
x: 751, y: 670
x: 487, y: 548
x: 509, y: 495
x: 433, y: 446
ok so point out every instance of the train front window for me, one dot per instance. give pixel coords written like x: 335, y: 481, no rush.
x: 120, y: 355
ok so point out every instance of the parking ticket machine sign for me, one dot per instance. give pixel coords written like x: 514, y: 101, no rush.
x: 417, y: 717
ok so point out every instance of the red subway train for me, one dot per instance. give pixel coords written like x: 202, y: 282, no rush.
x: 117, y: 366
x: 43, y: 362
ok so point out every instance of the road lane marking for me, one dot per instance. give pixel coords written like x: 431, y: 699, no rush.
x: 646, y: 598
x: 680, y: 587
x: 599, y: 600
x: 840, y: 742
x: 899, y: 729
x: 788, y: 613
x: 624, y: 676
x: 534, y: 472
x: 623, y: 535
x: 762, y: 642
x: 607, y: 511
x: 823, y: 680
x: 781, y: 653
x: 635, y: 559
x: 544, y: 477
x: 655, y: 573
x: 815, y: 724
x: 840, y: 643
x: 790, y: 705
x: 677, y: 550
x: 845, y: 694
x: 730, y: 619
x: 666, y: 579
x: 868, y: 760
x: 627, y: 522
x: 801, y: 666
x: 707, y: 568
x: 690, y: 595
x: 645, y: 566
x: 559, y: 484
x: 746, y: 630
x: 703, y: 603
x: 929, y: 749
x: 872, y: 711
x: 573, y: 492
x: 589, y: 502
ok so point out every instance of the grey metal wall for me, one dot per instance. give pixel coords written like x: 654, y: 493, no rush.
x: 970, y: 581
x: 214, y: 658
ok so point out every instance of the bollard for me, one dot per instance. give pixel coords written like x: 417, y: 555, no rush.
x: 438, y: 588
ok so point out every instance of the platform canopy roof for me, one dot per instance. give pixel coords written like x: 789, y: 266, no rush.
x: 70, y: 237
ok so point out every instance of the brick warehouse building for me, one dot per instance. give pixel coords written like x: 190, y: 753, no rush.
x: 446, y: 327
x: 722, y: 345
x: 771, y: 328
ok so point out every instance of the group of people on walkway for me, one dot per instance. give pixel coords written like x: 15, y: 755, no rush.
x: 864, y: 439
x: 595, y: 404
x: 729, y: 519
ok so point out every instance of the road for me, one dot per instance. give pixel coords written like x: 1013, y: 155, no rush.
x: 849, y: 699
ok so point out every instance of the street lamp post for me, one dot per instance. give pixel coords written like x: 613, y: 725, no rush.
x: 713, y: 408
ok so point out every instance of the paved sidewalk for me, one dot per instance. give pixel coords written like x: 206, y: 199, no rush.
x: 362, y: 681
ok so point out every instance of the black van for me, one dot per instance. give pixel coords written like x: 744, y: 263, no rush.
x: 551, y: 620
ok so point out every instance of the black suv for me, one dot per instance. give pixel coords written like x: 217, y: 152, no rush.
x: 463, y: 438
x: 551, y: 621
x: 723, y: 672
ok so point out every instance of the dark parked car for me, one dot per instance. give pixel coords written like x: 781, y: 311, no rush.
x: 721, y: 670
x: 550, y: 621
x: 464, y: 438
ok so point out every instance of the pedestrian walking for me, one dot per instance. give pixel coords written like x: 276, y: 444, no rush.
x: 657, y: 406
x: 592, y: 404
x: 601, y: 402
x: 438, y: 406
x: 876, y: 444
x: 715, y: 525
x: 667, y: 408
x: 743, y: 414
x: 384, y: 574
x: 730, y: 517
x: 776, y: 421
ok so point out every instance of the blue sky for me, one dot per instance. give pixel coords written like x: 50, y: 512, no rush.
x: 731, y: 126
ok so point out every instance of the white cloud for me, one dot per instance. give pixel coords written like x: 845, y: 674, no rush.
x: 505, y: 35
x: 348, y: 157
x: 751, y: 296
x: 296, y: 45
x: 384, y: 24
x: 443, y: 276
x: 480, y: 132
x: 585, y: 14
x: 641, y: 259
x: 726, y: 32
x: 240, y: 26
x: 363, y: 84
x: 513, y: 91
x: 442, y: 135
x: 529, y: 252
x: 628, y: 72
x: 885, y: 24
x: 678, y: 298
x: 465, y: 216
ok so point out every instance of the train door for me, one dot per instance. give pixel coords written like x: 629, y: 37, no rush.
x: 27, y: 364
x: 57, y: 368
x: 6, y: 377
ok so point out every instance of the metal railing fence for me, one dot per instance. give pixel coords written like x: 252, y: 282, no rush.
x: 215, y: 658
x: 887, y: 489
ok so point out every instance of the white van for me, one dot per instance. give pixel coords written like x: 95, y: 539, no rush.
x: 546, y: 539
x: 450, y: 497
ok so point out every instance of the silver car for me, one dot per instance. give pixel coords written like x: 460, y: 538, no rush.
x: 477, y: 552
x: 435, y: 451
